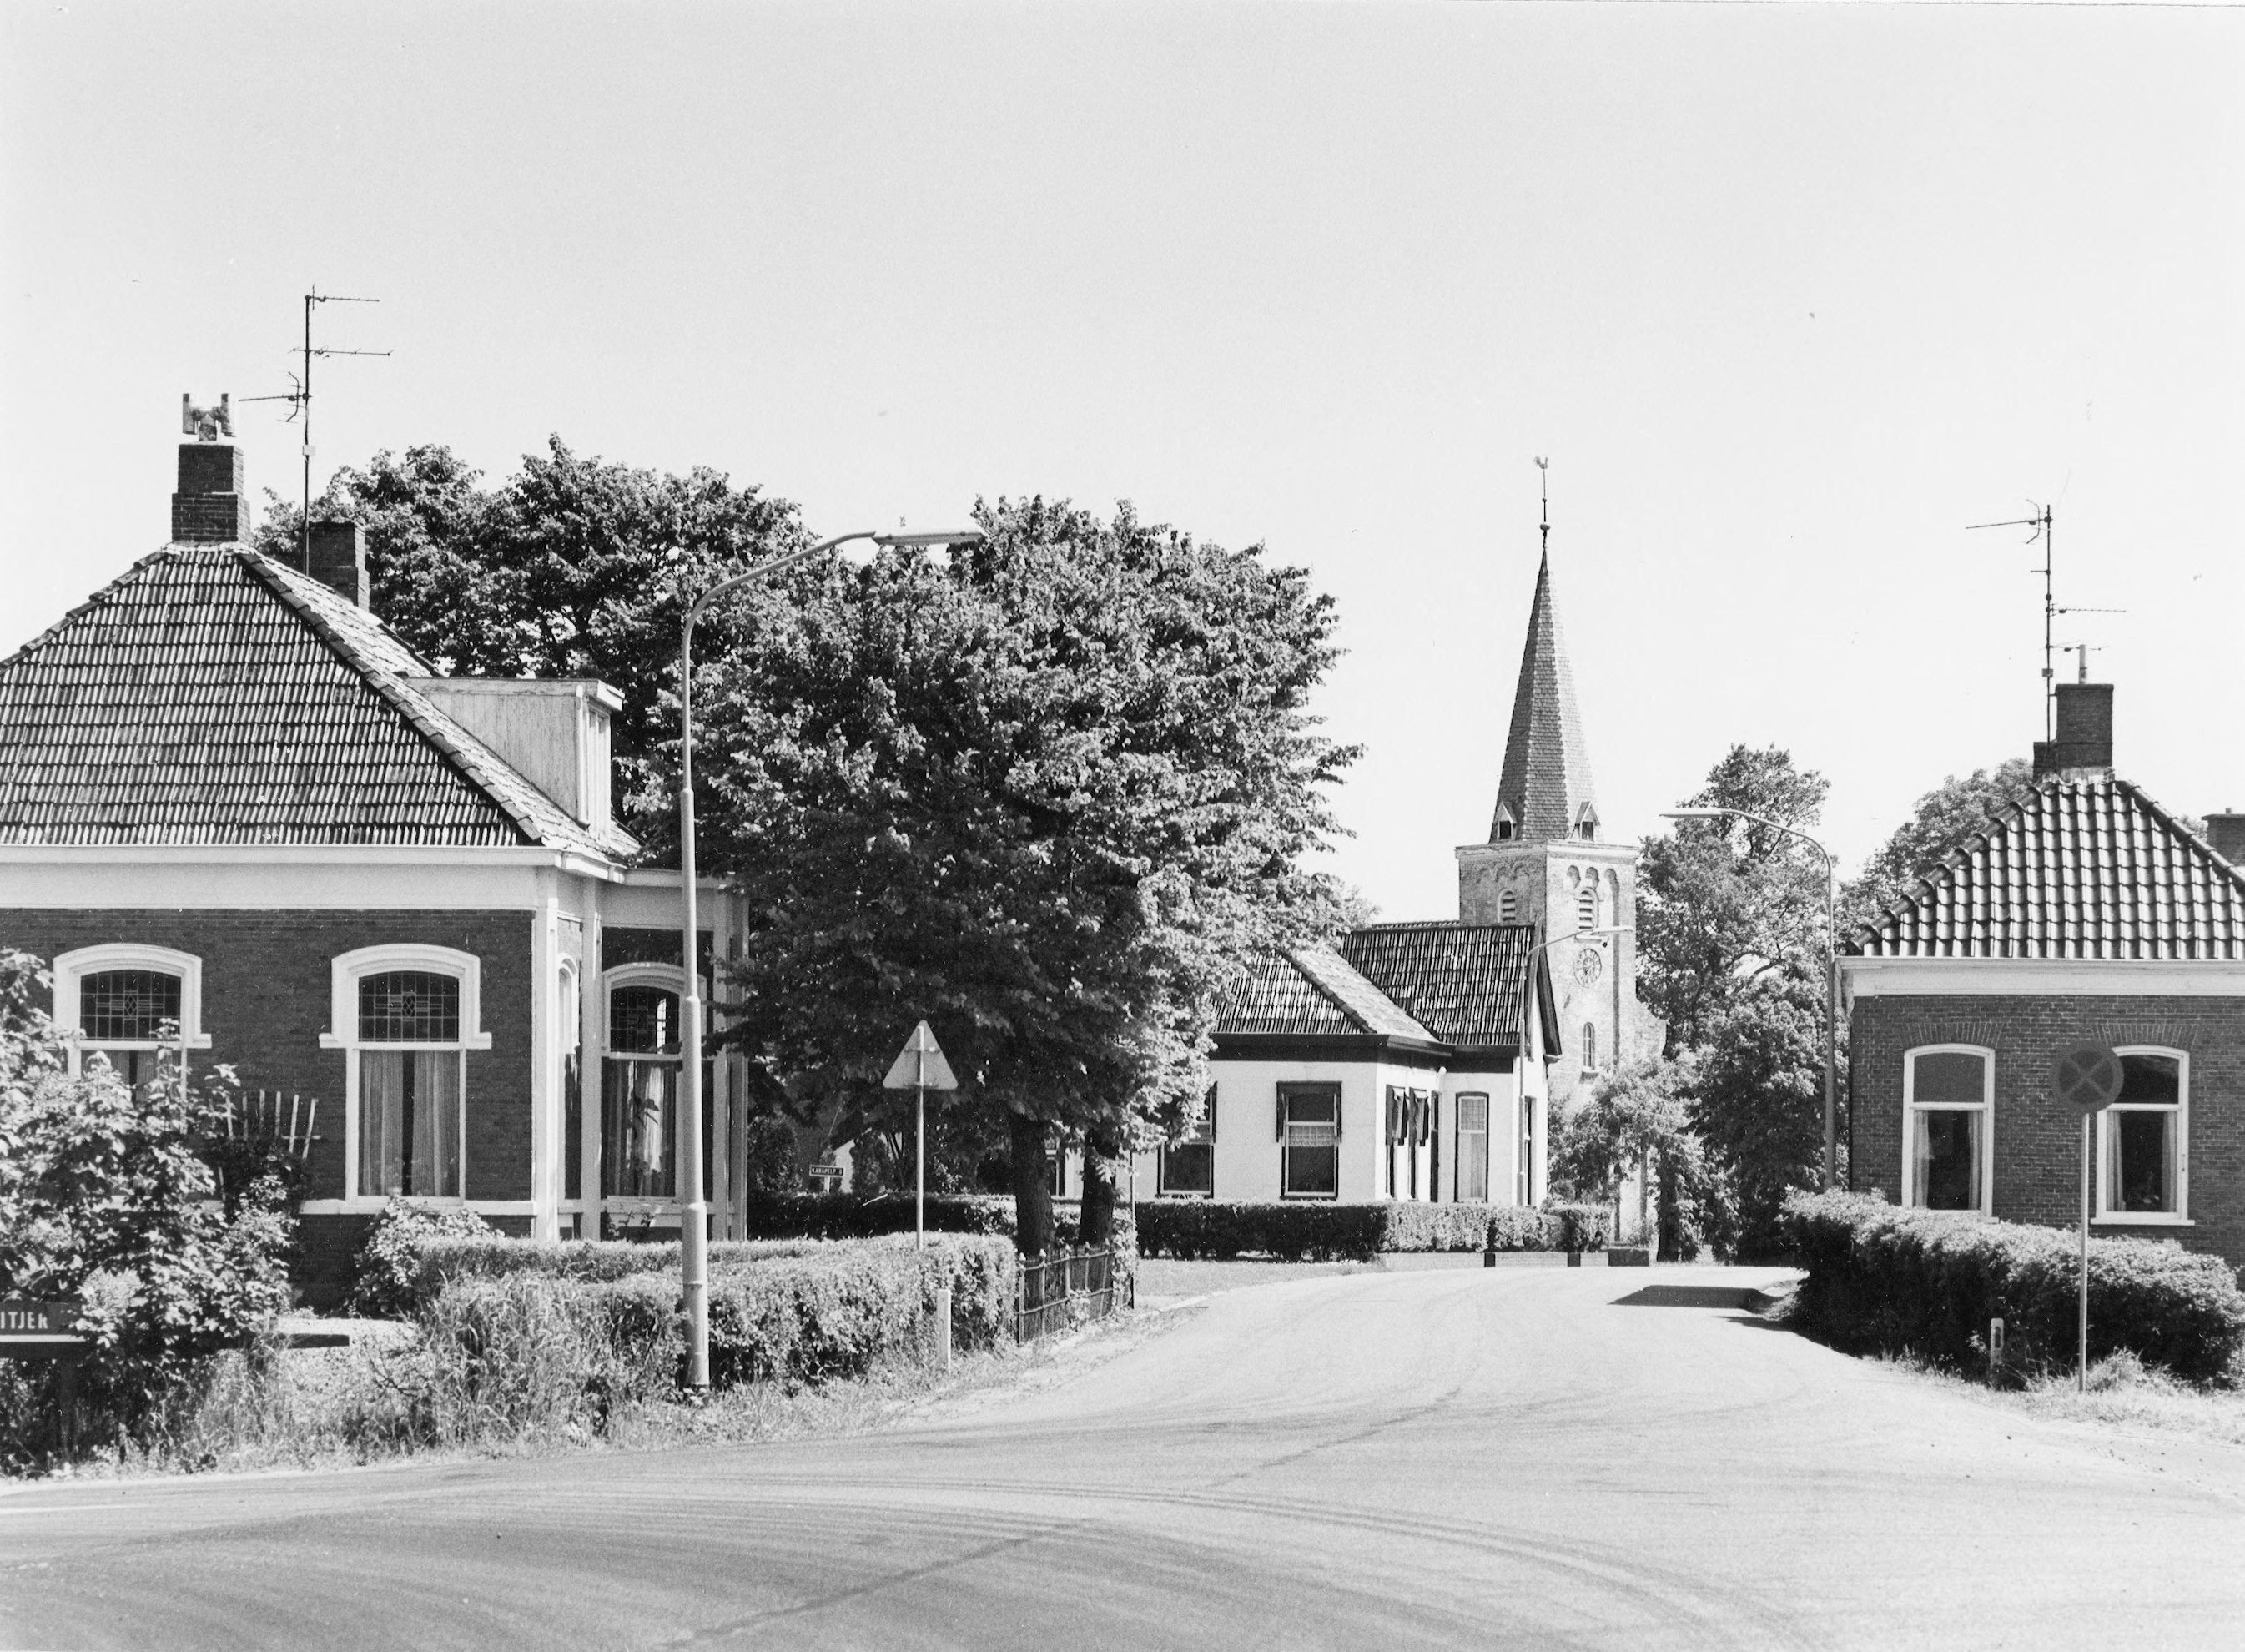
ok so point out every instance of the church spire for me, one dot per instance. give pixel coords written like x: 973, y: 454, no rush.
x: 1545, y: 791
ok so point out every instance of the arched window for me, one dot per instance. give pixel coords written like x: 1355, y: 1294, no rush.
x: 1590, y: 1046
x: 406, y: 1017
x: 1508, y: 908
x: 1947, y: 1120
x: 640, y: 1082
x: 131, y: 1006
x: 2143, y: 1139
x: 1586, y: 905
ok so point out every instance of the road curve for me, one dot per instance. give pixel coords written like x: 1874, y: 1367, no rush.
x: 1468, y: 1458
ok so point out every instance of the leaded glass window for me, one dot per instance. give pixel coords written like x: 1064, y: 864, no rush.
x: 126, y: 1006
x: 409, y: 1007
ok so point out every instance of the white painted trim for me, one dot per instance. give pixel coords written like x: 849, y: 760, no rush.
x: 1986, y: 1110
x: 370, y: 1206
x: 369, y: 881
x: 2180, y: 1216
x: 2101, y: 977
x: 71, y: 968
x: 343, y: 973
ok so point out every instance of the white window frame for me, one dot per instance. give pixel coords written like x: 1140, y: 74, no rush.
x: 345, y: 971
x: 1986, y: 1110
x: 1285, y: 1141
x: 2180, y: 1216
x: 647, y: 973
x: 1202, y: 1135
x: 71, y: 968
x: 1459, y: 1134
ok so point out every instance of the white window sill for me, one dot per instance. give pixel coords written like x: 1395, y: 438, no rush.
x: 2142, y: 1219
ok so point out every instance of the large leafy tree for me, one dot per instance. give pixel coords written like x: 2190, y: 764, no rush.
x: 1732, y: 930
x: 1045, y: 795
x: 573, y: 567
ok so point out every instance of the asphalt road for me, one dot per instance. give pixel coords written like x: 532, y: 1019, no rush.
x: 1515, y: 1456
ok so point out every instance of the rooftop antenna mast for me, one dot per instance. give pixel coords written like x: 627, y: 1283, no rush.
x: 1543, y: 482
x: 299, y: 401
x: 2041, y: 526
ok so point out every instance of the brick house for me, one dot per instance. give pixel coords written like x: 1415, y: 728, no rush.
x: 1427, y: 1061
x: 2085, y: 913
x: 240, y: 818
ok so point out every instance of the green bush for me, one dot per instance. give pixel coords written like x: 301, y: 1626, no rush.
x: 385, y: 1277
x: 1881, y: 1279
x: 860, y: 1216
x: 1202, y: 1228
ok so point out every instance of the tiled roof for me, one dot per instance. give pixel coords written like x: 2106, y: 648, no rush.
x: 2089, y: 869
x: 1464, y: 982
x: 1546, y: 763
x: 210, y: 696
x: 1311, y: 993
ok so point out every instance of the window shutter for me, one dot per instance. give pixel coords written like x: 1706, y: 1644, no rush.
x: 1336, y: 1096
x: 1282, y: 1114
x: 1211, y: 1110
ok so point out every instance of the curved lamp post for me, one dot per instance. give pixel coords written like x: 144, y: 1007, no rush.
x: 693, y: 1211
x: 1831, y: 968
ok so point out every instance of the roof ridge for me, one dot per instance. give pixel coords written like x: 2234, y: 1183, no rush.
x: 2174, y: 823
x: 459, y: 749
x: 2007, y: 814
x: 1294, y: 956
x: 100, y: 595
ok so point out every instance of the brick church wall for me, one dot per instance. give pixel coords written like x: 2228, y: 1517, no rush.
x: 2037, y: 1138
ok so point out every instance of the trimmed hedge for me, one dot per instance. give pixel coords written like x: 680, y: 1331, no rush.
x: 1881, y: 1279
x: 441, y: 1261
x: 537, y: 1318
x: 1206, y: 1229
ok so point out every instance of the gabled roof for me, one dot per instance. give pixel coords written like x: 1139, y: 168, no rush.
x: 1311, y: 992
x: 210, y: 696
x: 1546, y: 780
x: 2090, y: 869
x: 1465, y: 982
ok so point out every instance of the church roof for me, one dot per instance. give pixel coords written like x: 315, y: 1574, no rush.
x: 2073, y: 868
x: 211, y: 696
x: 1546, y: 778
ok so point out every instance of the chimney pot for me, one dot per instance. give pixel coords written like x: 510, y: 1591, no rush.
x: 210, y: 506
x: 338, y: 558
x: 2083, y: 748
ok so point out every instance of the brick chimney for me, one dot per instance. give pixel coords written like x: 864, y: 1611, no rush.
x: 210, y: 508
x: 2226, y: 831
x: 339, y: 558
x: 2083, y: 749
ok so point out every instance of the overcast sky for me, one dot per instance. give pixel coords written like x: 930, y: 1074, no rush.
x: 1788, y: 294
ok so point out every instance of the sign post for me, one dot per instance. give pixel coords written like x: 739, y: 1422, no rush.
x: 2089, y: 1077
x: 33, y: 1329
x: 919, y: 1067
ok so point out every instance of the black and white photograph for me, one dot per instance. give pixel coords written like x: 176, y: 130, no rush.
x: 1188, y: 824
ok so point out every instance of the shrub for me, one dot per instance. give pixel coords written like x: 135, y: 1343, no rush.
x: 104, y: 1199
x: 1204, y: 1228
x: 385, y: 1276
x: 861, y: 1216
x: 1927, y: 1282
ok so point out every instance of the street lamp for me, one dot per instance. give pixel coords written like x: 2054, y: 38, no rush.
x: 1831, y: 970
x: 693, y: 1213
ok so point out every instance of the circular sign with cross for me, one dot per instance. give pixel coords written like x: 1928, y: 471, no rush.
x: 2089, y: 1077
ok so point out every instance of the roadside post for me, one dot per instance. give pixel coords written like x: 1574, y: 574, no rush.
x: 2089, y: 1077
x: 31, y: 1329
x: 920, y: 1067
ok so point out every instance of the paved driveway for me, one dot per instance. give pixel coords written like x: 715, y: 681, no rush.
x: 1517, y: 1456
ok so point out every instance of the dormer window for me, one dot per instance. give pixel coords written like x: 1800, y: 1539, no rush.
x: 1508, y: 825
x: 1586, y: 823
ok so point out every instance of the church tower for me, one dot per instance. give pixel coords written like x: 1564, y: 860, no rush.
x: 1547, y: 863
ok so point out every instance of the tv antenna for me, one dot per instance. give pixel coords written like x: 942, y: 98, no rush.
x: 2082, y: 651
x: 1543, y: 483
x: 300, y: 400
x: 2041, y: 526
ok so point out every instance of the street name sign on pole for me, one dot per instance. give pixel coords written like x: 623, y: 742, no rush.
x: 919, y: 1067
x: 2089, y: 1077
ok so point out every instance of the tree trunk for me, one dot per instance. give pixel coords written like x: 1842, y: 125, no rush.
x: 1103, y: 1152
x: 1032, y: 1219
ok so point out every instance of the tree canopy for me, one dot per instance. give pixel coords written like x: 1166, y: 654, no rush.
x: 573, y: 567
x: 1942, y: 820
x: 1047, y: 795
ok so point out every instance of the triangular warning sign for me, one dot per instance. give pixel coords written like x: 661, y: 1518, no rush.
x: 921, y: 1066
